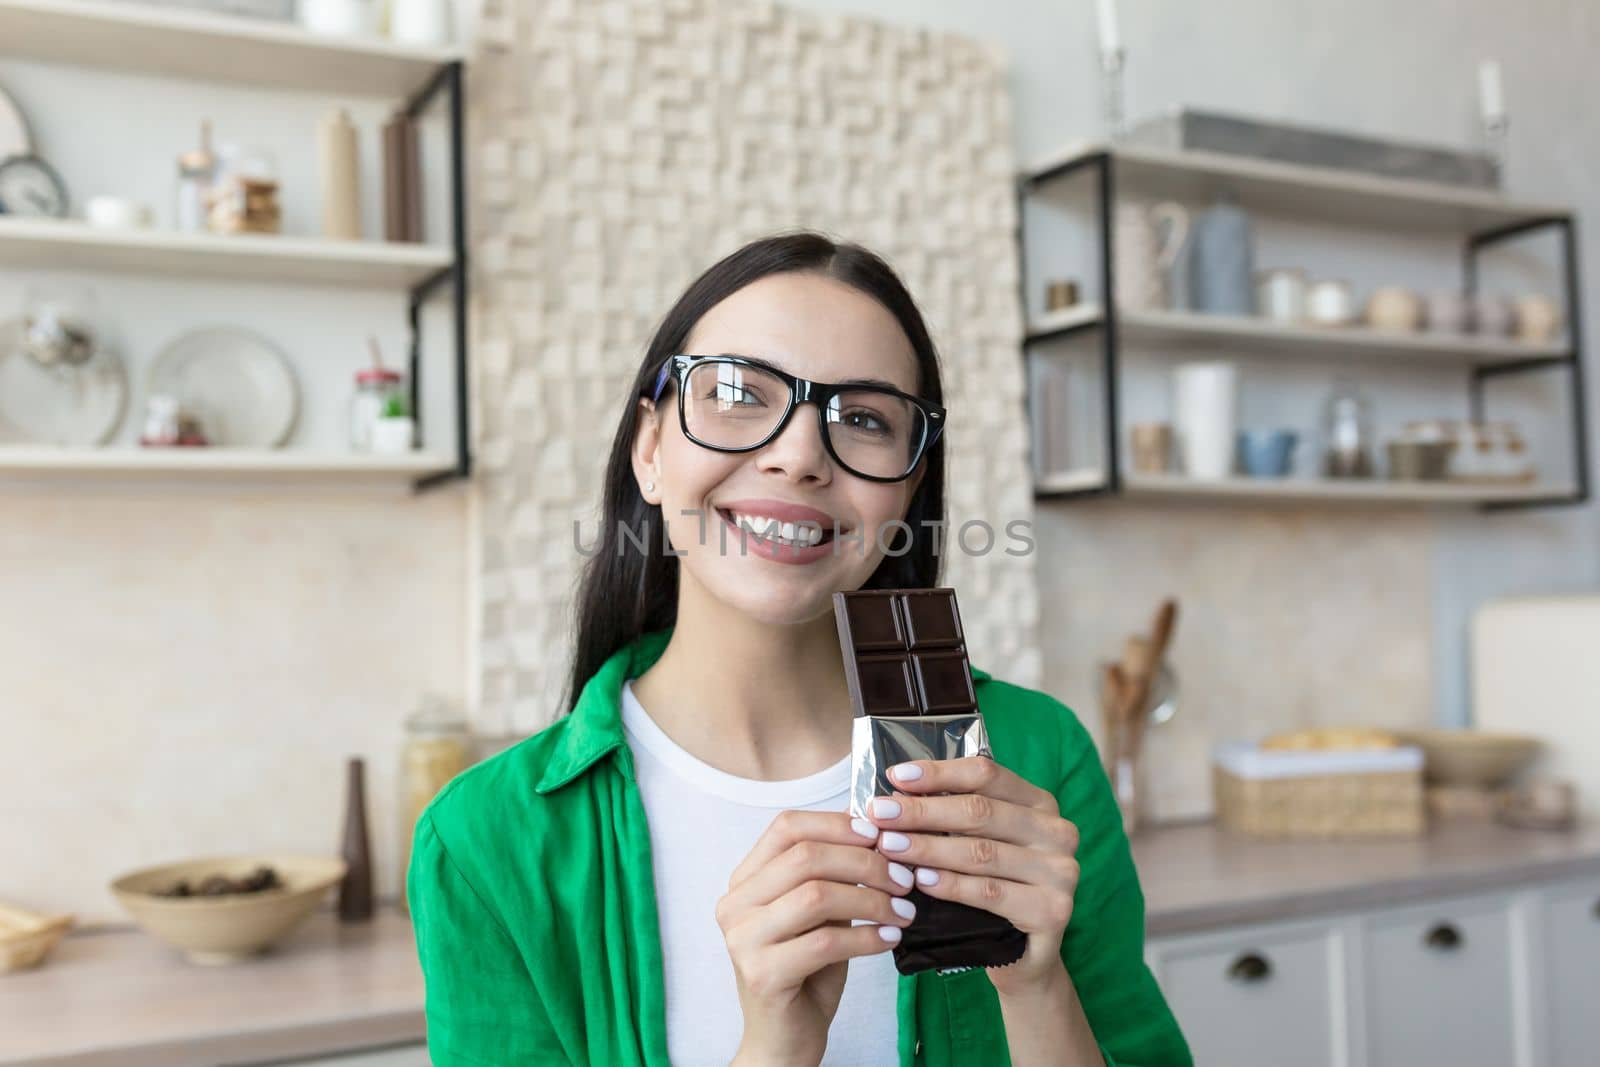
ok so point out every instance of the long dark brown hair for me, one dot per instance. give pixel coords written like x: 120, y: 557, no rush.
x: 623, y: 592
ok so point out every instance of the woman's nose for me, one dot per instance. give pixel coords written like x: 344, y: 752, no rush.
x: 798, y: 451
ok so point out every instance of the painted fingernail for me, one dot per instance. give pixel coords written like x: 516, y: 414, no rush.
x: 885, y: 808
x: 864, y: 828
x: 901, y: 874
x: 906, y: 772
x: 890, y: 934
x: 927, y: 876
x: 903, y: 907
x: 893, y: 842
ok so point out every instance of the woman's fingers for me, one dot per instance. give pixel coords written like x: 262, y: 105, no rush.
x: 790, y: 828
x: 1030, y: 908
x: 808, y: 861
x: 970, y: 774
x: 786, y: 965
x: 817, y: 903
x: 973, y: 815
x: 982, y: 856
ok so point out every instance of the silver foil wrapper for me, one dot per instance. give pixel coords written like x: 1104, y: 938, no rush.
x: 878, y: 742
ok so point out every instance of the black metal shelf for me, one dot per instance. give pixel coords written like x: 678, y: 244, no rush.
x: 1500, y: 361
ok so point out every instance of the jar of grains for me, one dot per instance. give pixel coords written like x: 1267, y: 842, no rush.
x: 438, y: 746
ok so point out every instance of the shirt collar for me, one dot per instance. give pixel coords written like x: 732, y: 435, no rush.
x: 594, y: 727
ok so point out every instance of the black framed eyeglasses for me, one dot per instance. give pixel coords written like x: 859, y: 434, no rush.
x: 737, y: 404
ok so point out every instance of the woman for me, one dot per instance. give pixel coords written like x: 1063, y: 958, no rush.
x: 669, y: 872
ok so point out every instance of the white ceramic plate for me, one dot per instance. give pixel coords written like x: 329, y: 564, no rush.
x: 68, y: 406
x: 236, y: 383
x: 14, y: 140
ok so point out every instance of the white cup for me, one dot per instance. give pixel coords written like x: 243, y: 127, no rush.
x: 116, y: 213
x: 1204, y: 407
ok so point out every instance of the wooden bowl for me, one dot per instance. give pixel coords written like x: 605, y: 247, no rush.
x: 232, y: 926
x: 26, y: 937
x: 1471, y: 757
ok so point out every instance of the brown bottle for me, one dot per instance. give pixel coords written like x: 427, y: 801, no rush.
x: 355, y: 892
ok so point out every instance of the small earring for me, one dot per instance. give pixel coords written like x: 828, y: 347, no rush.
x: 649, y: 487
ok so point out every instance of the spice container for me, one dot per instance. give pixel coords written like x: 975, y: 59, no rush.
x: 438, y: 746
x: 197, y: 170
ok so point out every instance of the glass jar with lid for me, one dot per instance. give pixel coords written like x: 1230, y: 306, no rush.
x: 380, y: 393
x: 437, y: 747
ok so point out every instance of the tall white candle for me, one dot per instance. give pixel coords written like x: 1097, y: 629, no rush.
x: 1110, y: 36
x: 1491, y: 92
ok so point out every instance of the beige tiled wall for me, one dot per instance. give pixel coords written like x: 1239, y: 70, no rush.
x: 622, y: 148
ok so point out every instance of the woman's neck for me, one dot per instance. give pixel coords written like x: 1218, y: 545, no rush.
x: 755, y: 700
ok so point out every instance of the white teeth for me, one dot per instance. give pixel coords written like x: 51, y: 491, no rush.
x: 770, y: 529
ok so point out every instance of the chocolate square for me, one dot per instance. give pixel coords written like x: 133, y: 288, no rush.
x: 886, y: 685
x: 944, y: 682
x: 872, y: 623
x: 931, y: 619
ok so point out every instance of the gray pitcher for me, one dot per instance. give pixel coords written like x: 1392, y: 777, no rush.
x: 1222, y: 260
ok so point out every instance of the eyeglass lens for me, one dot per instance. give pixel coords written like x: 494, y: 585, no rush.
x: 731, y: 405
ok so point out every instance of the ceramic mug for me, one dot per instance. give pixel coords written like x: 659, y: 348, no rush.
x: 1281, y: 294
x: 1448, y: 312
x: 1331, y: 303
x: 1394, y: 308
x: 1267, y: 453
x: 1538, y: 319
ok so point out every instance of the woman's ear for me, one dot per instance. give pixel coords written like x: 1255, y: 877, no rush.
x: 647, y: 451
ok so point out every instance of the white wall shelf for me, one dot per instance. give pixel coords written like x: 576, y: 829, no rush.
x: 1179, y: 330
x: 211, y: 47
x: 235, y: 464
x: 71, y: 245
x: 1324, y: 193
x: 1299, y: 490
x: 1331, y: 491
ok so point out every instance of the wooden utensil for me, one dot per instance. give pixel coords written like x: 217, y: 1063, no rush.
x: 26, y: 937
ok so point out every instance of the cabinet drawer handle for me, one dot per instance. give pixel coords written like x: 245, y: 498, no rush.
x: 1444, y: 937
x: 1251, y: 967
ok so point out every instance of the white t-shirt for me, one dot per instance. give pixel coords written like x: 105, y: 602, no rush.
x: 703, y: 823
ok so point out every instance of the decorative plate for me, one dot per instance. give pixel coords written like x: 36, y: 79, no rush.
x: 236, y: 383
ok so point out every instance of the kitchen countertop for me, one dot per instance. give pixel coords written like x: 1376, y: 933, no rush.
x: 121, y: 997
x: 1198, y: 876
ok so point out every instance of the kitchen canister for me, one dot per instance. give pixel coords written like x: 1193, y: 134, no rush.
x: 1204, y: 404
x: 1222, y: 260
x: 1538, y: 319
x: 1448, y: 312
x: 1331, y: 303
x: 1394, y: 309
x: 1281, y: 295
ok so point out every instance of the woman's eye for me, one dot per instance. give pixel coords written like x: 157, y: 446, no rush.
x: 734, y: 395
x: 865, y: 421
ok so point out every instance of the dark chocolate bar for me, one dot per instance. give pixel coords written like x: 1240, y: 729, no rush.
x: 905, y: 660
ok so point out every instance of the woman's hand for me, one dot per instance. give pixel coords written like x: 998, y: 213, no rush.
x: 786, y: 920
x: 1010, y: 853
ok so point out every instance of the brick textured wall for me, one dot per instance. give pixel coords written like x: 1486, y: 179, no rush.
x: 618, y: 149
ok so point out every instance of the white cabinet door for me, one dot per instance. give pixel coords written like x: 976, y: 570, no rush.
x: 1572, y: 972
x: 1439, y: 986
x: 1256, y: 995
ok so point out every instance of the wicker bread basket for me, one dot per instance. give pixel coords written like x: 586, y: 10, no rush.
x: 1319, y: 794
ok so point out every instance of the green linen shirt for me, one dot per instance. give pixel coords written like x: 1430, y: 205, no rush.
x: 533, y: 898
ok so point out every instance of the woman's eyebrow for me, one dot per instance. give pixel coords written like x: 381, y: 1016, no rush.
x: 843, y: 381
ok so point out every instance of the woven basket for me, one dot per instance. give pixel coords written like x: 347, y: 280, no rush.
x: 1377, y: 804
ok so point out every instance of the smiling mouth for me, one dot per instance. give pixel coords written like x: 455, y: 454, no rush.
x: 786, y: 534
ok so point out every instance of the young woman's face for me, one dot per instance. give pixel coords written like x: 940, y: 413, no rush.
x: 813, y: 327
